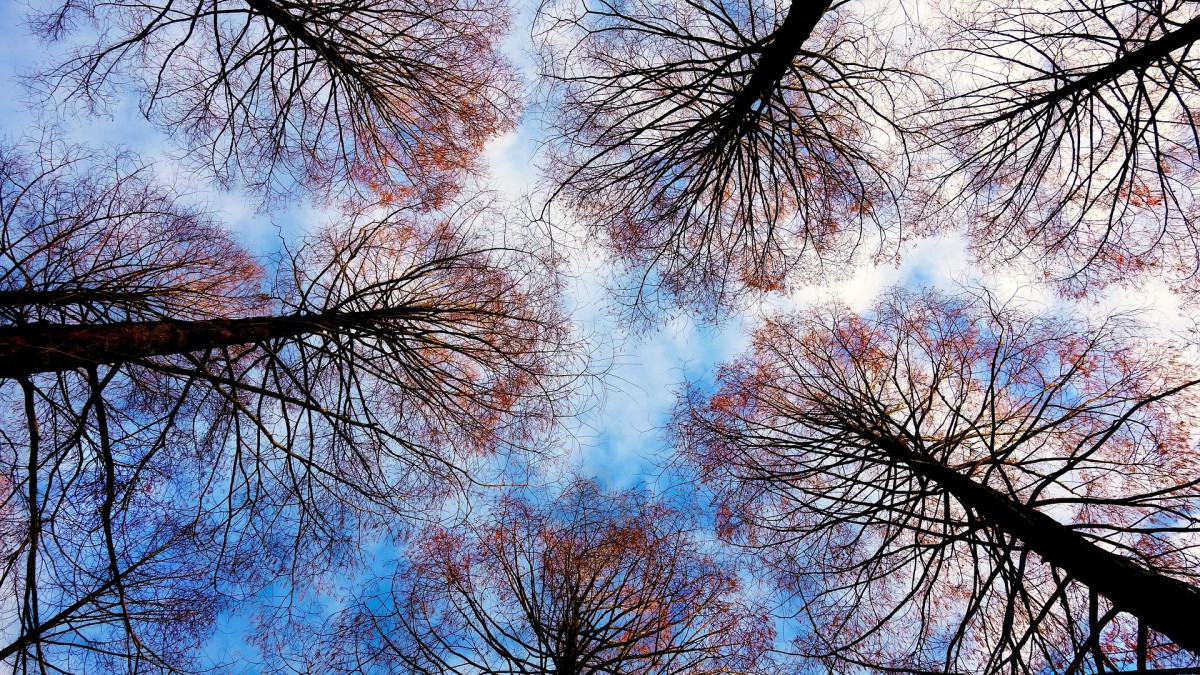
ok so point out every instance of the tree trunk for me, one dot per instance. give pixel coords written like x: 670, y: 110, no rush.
x: 295, y: 27
x: 1167, y: 605
x: 47, y: 347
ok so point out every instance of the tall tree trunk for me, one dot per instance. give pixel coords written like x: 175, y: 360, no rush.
x: 778, y: 52
x: 43, y: 347
x: 1167, y: 605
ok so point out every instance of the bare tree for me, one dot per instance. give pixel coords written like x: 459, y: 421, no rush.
x: 949, y: 484
x: 1073, y: 134
x: 591, y: 582
x: 721, y: 146
x: 395, y: 97
x: 178, y: 446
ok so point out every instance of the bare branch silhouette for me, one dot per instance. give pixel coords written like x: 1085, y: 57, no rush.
x: 1072, y: 127
x: 593, y: 582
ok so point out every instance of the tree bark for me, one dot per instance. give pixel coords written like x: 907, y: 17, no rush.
x: 46, y: 347
x: 1167, y: 605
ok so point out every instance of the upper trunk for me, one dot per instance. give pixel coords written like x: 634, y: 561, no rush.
x: 296, y: 27
x: 1165, y: 604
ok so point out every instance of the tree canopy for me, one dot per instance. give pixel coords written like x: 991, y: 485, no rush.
x: 587, y: 583
x: 897, y: 470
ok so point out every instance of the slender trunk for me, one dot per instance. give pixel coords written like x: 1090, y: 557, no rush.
x: 1142, y: 642
x: 110, y: 497
x: 1094, y: 629
x: 30, y: 618
x: 1165, y: 604
x: 42, y: 347
x: 1138, y: 59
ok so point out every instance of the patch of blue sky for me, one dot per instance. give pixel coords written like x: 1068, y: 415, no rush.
x: 629, y: 445
x: 622, y: 441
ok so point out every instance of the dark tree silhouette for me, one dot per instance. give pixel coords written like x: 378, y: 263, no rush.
x: 719, y: 146
x: 160, y: 462
x: 592, y: 582
x: 1073, y: 133
x: 393, y: 96
x: 941, y: 484
x: 951, y: 484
